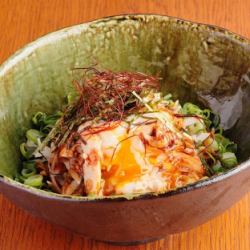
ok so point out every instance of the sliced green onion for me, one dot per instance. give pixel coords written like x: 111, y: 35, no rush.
x: 27, y: 172
x: 38, y: 118
x: 215, y: 119
x: 33, y: 135
x: 223, y: 140
x: 47, y: 128
x: 232, y: 147
x: 41, y: 120
x: 52, y: 119
x: 211, y: 119
x: 29, y: 164
x: 167, y: 97
x: 217, y: 167
x: 34, y: 180
x: 207, y: 122
x: 196, y: 128
x: 206, y: 113
x: 214, y: 146
x: 24, y: 151
x: 228, y: 160
x: 19, y: 178
x: 225, y: 144
x: 190, y: 108
x: 211, y: 144
x: 29, y: 169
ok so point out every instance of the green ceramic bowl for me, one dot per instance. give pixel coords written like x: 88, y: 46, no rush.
x: 196, y: 62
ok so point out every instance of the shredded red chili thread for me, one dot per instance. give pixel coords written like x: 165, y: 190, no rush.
x: 104, y: 95
x: 96, y: 130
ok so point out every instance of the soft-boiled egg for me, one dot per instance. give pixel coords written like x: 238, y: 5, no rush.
x: 137, y: 155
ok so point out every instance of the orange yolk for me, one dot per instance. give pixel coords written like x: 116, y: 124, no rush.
x: 124, y: 165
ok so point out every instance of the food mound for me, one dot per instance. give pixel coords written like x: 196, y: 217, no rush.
x: 121, y: 136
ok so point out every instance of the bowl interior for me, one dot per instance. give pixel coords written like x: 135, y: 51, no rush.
x: 198, y: 63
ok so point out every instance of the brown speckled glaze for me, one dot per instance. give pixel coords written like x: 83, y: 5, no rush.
x: 196, y: 62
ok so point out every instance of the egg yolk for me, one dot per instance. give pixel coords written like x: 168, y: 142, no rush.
x: 124, y: 167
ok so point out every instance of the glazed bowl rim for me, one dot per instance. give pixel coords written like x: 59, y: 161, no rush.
x: 59, y: 34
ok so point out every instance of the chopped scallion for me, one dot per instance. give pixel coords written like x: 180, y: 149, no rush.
x: 33, y: 135
x: 228, y: 160
x: 34, y: 180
